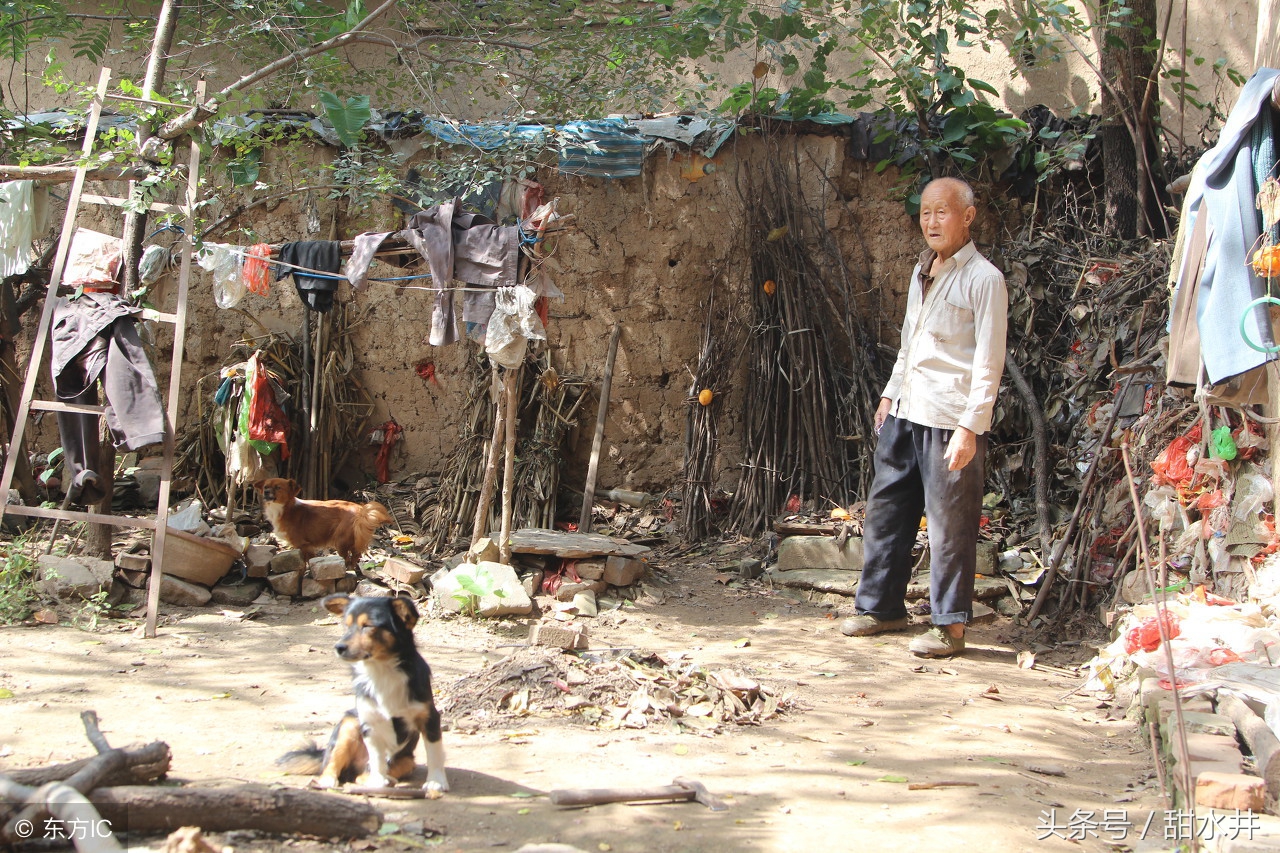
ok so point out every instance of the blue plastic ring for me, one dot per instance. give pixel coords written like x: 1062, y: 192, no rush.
x: 1268, y: 300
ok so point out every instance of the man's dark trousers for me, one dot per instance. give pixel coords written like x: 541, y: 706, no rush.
x: 911, y: 479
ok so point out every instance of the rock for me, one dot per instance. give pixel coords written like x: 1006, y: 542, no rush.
x: 1046, y: 769
x: 288, y: 561
x: 622, y: 571
x: 493, y: 578
x: 367, y: 588
x: 532, y: 582
x: 566, y: 591
x: 585, y: 603
x: 346, y: 583
x: 749, y: 568
x: 182, y: 593
x: 590, y: 570
x: 1006, y: 606
x: 133, y: 562
x: 257, y: 559
x: 286, y: 583
x: 485, y: 550
x: 551, y: 635
x: 1011, y: 561
x: 73, y: 577
x: 982, y: 613
x: 1199, y: 721
x: 311, y: 588
x: 983, y: 587
x: 825, y: 580
x: 327, y: 568
x: 573, y: 546
x: 1234, y: 791
x: 819, y: 552
x: 238, y: 595
x: 455, y: 560
x: 403, y: 570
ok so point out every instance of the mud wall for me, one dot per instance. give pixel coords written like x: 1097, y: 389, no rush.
x: 646, y: 253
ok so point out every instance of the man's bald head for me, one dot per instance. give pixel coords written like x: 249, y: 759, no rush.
x: 946, y: 212
x: 964, y: 195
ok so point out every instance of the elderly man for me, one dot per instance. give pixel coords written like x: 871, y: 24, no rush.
x: 932, y: 422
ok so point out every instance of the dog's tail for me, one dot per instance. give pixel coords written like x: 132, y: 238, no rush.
x: 307, y: 761
x: 370, y: 517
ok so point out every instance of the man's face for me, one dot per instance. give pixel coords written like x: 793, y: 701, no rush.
x: 944, y: 220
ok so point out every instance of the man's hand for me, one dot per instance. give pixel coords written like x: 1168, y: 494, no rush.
x: 960, y: 449
x: 882, y: 412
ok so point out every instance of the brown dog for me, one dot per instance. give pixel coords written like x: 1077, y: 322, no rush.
x: 343, y: 526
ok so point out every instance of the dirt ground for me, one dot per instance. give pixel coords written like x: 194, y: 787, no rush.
x: 835, y: 774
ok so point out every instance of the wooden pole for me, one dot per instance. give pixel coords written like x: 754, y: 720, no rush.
x: 509, y: 472
x: 491, y: 463
x: 589, y: 493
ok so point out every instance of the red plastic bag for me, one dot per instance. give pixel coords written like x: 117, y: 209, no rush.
x: 1146, y: 636
x: 267, y: 421
x: 1171, y: 466
x: 256, y: 273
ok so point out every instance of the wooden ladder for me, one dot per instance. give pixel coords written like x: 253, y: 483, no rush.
x: 159, y: 525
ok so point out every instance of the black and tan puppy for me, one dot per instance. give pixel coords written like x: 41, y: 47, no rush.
x: 374, y: 744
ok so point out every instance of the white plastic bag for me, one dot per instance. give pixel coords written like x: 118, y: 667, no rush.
x: 513, y: 324
x: 227, y: 265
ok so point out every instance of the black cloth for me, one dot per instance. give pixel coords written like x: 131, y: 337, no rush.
x: 96, y: 337
x: 324, y: 256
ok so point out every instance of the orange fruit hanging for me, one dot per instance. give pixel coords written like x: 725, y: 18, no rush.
x: 705, y: 396
x: 770, y: 287
x: 1266, y: 261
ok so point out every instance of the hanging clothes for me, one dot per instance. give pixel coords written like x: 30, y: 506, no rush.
x: 322, y: 256
x: 96, y: 337
x: 20, y: 223
x: 1223, y: 190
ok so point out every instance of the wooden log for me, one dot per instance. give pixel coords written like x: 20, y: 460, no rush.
x: 144, y: 764
x: 1258, y: 736
x: 285, y: 811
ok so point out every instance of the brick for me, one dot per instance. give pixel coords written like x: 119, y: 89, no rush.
x: 327, y: 568
x: 403, y: 570
x: 1230, y: 791
x: 622, y: 571
x: 558, y: 636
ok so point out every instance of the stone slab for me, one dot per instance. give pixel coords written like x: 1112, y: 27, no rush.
x: 797, y: 553
x: 327, y: 568
x: 238, y: 595
x: 572, y: 546
x: 73, y: 577
x: 403, y: 570
x: 622, y: 571
x: 823, y: 580
x: 183, y: 593
x: 1230, y: 791
x: 558, y: 636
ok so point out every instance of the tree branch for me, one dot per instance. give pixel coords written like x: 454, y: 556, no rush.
x: 201, y: 112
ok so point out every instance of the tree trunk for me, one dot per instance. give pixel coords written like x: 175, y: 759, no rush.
x: 1130, y: 151
x: 12, y: 379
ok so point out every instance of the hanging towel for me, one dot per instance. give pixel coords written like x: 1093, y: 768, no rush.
x: 17, y: 226
x: 323, y: 256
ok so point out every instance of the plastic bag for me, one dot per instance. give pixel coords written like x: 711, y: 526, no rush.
x: 1146, y: 635
x: 513, y: 324
x: 257, y: 269
x: 1221, y: 444
x: 1252, y: 491
x: 1172, y: 466
x: 225, y: 263
x: 153, y: 264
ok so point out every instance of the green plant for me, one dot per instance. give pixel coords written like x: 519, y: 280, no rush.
x: 476, y: 583
x: 93, y: 610
x: 18, y: 594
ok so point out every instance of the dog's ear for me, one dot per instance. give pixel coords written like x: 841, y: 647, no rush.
x: 295, y: 487
x: 260, y: 485
x: 336, y: 603
x: 404, y: 608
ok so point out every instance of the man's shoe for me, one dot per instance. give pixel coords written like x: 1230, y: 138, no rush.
x: 866, y: 625
x: 937, y: 643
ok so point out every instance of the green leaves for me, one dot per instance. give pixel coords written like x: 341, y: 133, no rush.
x: 347, y: 117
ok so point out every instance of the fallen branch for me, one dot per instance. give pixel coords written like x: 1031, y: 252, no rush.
x: 286, y: 811
x: 141, y: 765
